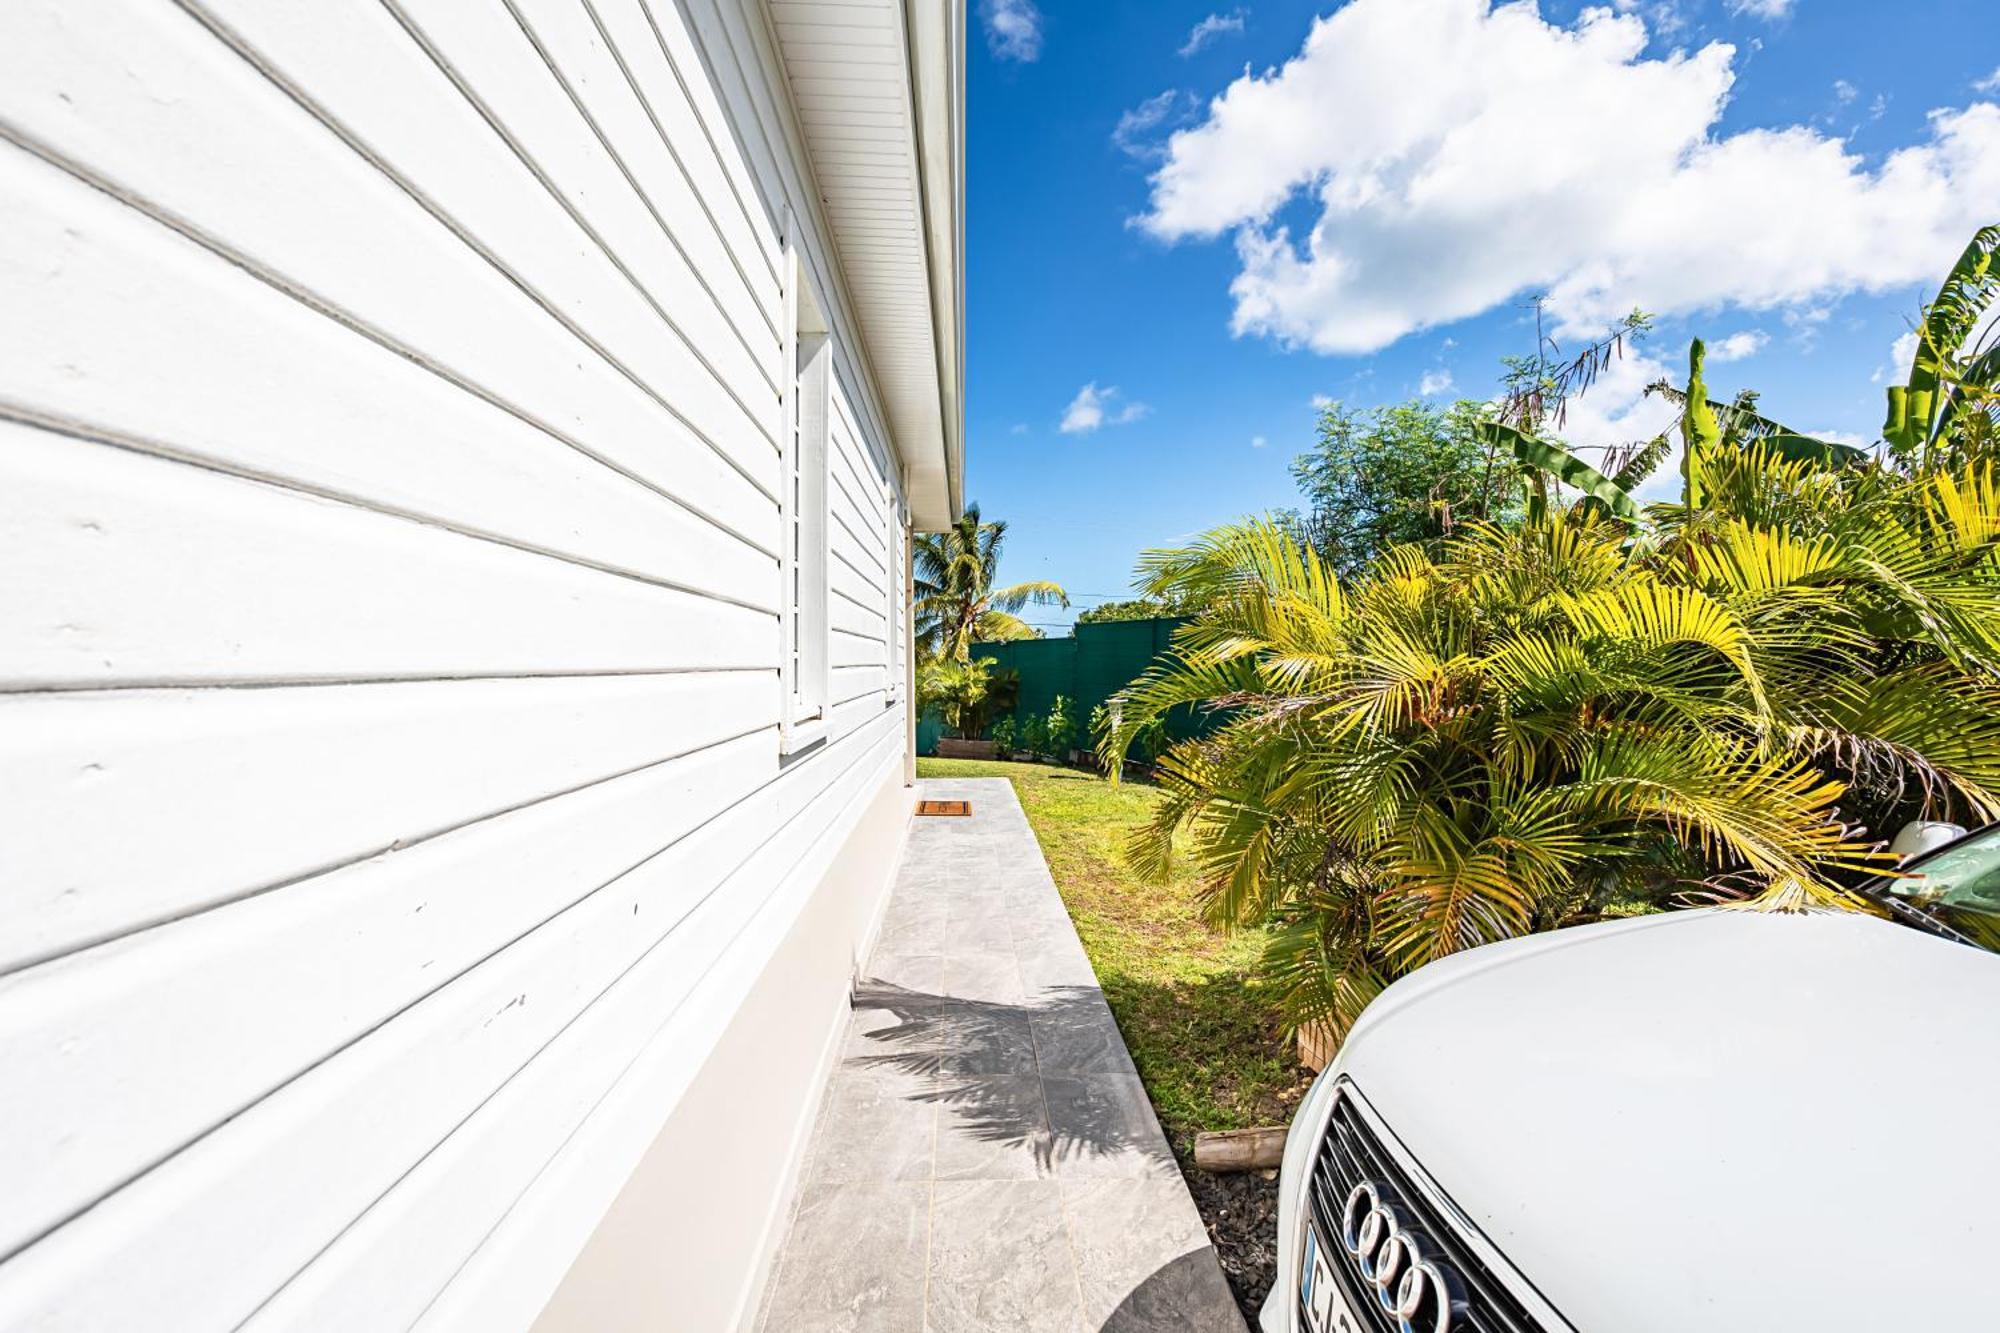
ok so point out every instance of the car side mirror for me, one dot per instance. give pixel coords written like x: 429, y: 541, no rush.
x: 1922, y: 835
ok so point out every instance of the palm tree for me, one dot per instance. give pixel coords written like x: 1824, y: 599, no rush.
x: 1540, y: 724
x: 956, y: 602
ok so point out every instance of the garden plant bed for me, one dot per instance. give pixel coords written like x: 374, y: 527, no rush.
x: 1207, y: 1045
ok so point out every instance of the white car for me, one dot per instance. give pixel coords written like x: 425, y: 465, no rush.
x: 1717, y: 1121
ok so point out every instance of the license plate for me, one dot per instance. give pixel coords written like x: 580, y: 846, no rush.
x: 1316, y: 1289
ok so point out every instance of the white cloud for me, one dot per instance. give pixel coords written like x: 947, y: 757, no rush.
x: 1664, y: 17
x: 1322, y: 401
x: 1212, y: 28
x: 1738, y: 346
x: 1258, y: 442
x: 1903, y: 352
x: 1844, y: 92
x: 1135, y: 128
x: 1013, y: 29
x: 1841, y: 437
x: 1018, y: 428
x: 1989, y: 84
x: 1093, y: 407
x: 1902, y: 355
x: 1436, y: 208
x: 1772, y: 10
x: 1615, y: 410
x: 1434, y: 382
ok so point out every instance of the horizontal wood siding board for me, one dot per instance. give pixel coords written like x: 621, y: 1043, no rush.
x: 723, y: 173
x: 679, y: 998
x: 270, y: 1187
x: 145, y: 337
x: 626, y: 117
x: 172, y: 573
x: 336, y: 774
x: 285, y: 979
x: 749, y: 94
x: 172, y: 122
x: 467, y: 118
x: 502, y: 66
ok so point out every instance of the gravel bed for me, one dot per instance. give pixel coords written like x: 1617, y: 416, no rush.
x: 1241, y: 1213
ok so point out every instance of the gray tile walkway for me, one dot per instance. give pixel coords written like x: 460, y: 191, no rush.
x: 986, y: 1160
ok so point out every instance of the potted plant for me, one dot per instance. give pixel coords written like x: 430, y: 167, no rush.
x: 955, y: 690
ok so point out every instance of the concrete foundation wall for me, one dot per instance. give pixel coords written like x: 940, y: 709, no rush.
x: 687, y: 1244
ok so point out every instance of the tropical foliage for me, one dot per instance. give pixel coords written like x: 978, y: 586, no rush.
x: 1406, y: 473
x: 954, y: 690
x: 1593, y: 710
x: 957, y: 601
x: 1133, y: 608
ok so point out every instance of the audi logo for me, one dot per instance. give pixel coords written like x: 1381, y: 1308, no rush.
x: 1419, y: 1293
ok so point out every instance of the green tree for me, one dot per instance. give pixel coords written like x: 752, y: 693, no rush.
x: 1406, y: 473
x: 1135, y: 608
x: 957, y: 601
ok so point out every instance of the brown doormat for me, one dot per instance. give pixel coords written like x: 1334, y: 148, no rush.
x: 944, y: 807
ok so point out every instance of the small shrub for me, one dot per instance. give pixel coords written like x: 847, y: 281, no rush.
x: 1062, y: 727
x: 1001, y: 733
x: 1034, y: 735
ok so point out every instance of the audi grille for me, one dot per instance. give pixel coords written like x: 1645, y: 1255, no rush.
x: 1354, y: 1173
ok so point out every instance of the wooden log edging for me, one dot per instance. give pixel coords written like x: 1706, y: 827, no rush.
x: 1240, y: 1149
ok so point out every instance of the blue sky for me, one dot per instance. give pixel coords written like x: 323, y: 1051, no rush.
x: 1213, y: 232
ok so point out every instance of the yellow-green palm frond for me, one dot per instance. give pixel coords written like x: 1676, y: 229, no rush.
x: 1961, y: 510
x: 1774, y: 814
x: 1926, y: 726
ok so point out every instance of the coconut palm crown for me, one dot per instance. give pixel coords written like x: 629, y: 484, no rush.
x: 957, y: 603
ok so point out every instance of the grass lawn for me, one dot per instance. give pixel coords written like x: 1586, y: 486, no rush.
x: 1206, y: 1045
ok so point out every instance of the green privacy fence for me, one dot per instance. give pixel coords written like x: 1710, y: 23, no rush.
x: 1089, y: 666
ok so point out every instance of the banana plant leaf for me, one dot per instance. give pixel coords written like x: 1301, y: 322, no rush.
x: 1961, y: 302
x: 1737, y: 424
x: 1563, y: 465
x: 1799, y: 448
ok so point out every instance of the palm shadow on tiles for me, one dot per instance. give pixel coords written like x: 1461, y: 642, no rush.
x: 1047, y: 1085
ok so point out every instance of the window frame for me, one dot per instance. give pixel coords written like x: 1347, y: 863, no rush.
x: 896, y: 588
x: 803, y: 671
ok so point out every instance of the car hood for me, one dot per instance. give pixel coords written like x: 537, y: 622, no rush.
x: 1718, y: 1120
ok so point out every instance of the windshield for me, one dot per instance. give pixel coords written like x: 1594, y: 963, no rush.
x: 1958, y: 884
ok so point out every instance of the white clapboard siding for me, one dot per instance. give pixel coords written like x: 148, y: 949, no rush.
x: 849, y: 573
x: 479, y: 75
x: 270, y: 1187
x: 210, y: 1013
x: 335, y: 774
x: 392, y: 812
x: 770, y: 153
x: 654, y: 44
x: 470, y: 113
x: 861, y: 684
x: 847, y: 651
x: 864, y: 465
x: 872, y: 459
x: 140, y: 334
x: 150, y: 102
x: 415, y: 1242
x: 852, y: 617
x: 172, y: 573
x: 626, y: 115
